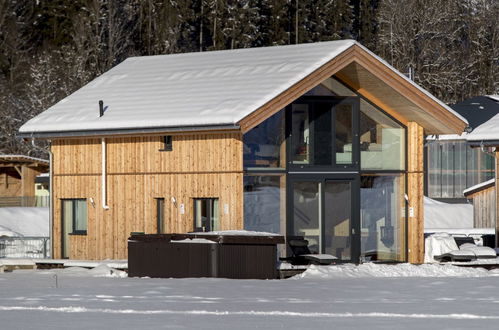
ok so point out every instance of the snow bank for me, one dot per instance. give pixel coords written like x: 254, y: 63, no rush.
x: 102, y: 270
x: 445, y: 215
x: 399, y: 270
x: 24, y: 221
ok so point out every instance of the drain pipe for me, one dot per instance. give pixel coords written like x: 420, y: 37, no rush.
x: 51, y: 200
x: 104, y: 175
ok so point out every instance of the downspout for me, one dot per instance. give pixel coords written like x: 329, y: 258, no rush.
x: 51, y: 200
x: 104, y: 175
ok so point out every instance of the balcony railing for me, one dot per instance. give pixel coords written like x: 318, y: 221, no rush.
x: 24, y: 247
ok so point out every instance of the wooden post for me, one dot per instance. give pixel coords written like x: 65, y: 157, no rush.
x: 415, y: 178
x: 28, y: 185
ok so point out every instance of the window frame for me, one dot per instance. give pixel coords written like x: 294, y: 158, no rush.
x: 73, y: 215
x: 160, y: 215
x: 210, y: 210
x: 167, y: 141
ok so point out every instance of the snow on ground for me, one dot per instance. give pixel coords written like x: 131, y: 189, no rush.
x: 349, y: 297
x: 24, y: 221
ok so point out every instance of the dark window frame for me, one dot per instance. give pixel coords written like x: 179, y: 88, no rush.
x: 160, y: 212
x: 209, y: 211
x: 167, y: 143
x: 73, y: 216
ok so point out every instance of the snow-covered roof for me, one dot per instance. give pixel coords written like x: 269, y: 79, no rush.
x: 204, y: 89
x: 478, y: 187
x: 494, y: 97
x: 487, y: 132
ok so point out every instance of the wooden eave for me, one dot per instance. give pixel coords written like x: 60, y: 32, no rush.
x: 374, y: 80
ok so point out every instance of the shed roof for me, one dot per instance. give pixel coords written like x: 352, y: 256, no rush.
x: 199, y: 90
x: 479, y: 187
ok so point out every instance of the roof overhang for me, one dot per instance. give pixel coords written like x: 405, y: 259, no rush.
x: 377, y: 81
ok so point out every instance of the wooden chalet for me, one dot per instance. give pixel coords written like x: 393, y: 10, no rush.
x: 320, y: 140
x: 17, y: 179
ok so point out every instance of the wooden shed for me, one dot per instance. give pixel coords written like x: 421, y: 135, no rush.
x: 17, y: 179
x: 320, y: 140
x: 483, y: 196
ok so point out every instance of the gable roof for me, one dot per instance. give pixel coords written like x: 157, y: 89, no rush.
x: 209, y: 90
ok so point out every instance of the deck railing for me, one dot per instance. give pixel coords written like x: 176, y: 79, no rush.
x: 24, y: 247
x: 25, y: 201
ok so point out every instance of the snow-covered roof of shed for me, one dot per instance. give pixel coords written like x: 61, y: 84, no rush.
x: 208, y: 89
x: 483, y: 185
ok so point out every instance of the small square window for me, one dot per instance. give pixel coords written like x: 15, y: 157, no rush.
x: 167, y: 143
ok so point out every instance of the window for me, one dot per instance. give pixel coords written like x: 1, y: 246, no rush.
x: 382, y: 140
x: 167, y: 143
x: 206, y: 214
x: 454, y: 166
x: 382, y: 217
x: 322, y: 132
x: 264, y: 145
x: 264, y: 203
x: 160, y: 209
x: 74, y: 215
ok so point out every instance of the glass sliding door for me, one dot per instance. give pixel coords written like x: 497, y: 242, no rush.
x: 322, y: 212
x: 307, y: 212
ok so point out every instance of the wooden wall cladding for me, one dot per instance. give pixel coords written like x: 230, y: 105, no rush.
x: 415, y: 181
x: 200, y: 165
x: 484, y: 211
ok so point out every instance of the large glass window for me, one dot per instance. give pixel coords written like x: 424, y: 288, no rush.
x: 382, y: 140
x: 264, y: 203
x: 322, y: 132
x: 264, y: 145
x: 382, y: 217
x: 453, y: 166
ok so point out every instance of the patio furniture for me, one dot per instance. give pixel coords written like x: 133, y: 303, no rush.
x: 303, y: 256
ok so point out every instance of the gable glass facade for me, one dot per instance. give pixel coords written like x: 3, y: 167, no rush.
x: 330, y: 168
x: 454, y: 166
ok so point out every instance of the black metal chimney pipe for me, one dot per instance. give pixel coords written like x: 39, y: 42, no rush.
x: 101, y: 108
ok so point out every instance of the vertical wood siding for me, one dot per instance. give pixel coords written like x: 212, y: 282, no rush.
x: 484, y: 212
x: 415, y: 178
x: 200, y: 165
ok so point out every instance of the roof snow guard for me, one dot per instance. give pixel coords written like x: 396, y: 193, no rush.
x: 218, y: 90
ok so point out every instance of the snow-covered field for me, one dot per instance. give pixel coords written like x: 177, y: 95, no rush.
x: 337, y: 297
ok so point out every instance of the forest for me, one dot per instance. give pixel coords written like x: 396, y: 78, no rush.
x: 50, y: 48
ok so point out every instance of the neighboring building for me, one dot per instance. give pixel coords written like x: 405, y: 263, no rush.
x: 486, y: 137
x: 483, y: 196
x: 320, y: 140
x: 452, y: 165
x: 17, y: 180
